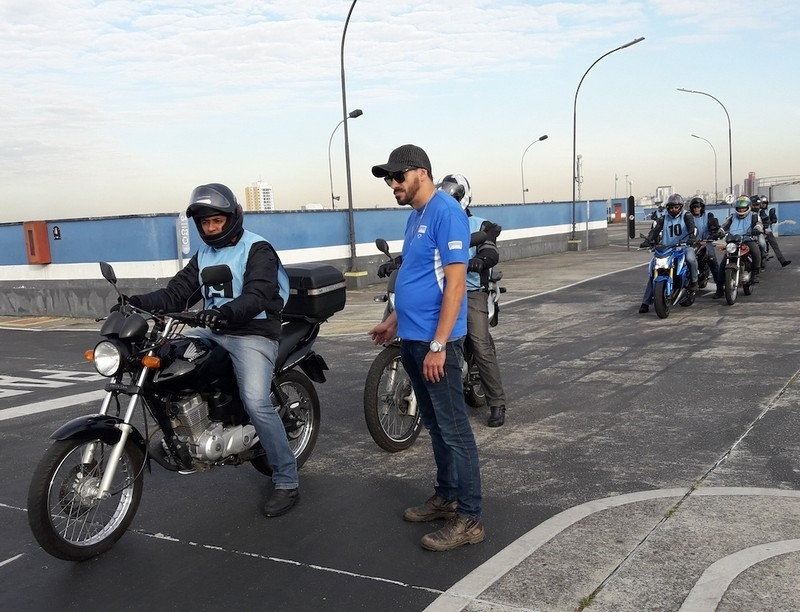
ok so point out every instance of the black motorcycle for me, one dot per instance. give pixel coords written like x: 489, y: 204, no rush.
x: 390, y: 405
x: 739, y: 270
x: 86, y: 489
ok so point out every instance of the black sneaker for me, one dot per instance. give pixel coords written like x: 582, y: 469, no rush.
x: 693, y: 286
x: 785, y: 263
x: 280, y: 502
x: 643, y: 308
x: 718, y: 294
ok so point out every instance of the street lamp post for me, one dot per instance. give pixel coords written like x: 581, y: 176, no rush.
x: 575, y: 123
x: 351, y: 115
x: 350, y: 216
x: 522, y: 168
x: 715, y: 164
x: 730, y: 149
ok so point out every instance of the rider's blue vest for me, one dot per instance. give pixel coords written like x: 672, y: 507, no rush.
x: 701, y: 223
x: 674, y: 230
x: 744, y: 227
x: 235, y: 258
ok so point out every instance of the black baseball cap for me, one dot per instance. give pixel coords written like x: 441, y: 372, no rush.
x: 402, y: 158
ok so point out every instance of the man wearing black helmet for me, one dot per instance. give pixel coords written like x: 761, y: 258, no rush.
x: 242, y: 316
x: 673, y: 228
x: 768, y: 219
x: 707, y: 230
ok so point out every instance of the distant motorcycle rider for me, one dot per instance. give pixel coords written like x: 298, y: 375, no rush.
x: 675, y: 227
x: 482, y: 258
x: 768, y: 219
x: 747, y: 224
x: 707, y: 230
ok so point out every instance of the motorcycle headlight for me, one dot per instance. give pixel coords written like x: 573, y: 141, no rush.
x: 731, y: 247
x: 107, y: 358
x: 662, y: 262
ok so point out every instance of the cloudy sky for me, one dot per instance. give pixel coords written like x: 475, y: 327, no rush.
x: 123, y: 106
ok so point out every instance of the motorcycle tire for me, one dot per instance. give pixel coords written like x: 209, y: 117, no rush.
x: 748, y: 289
x: 661, y: 301
x: 731, y: 286
x: 390, y: 407
x: 67, y: 521
x: 304, y: 413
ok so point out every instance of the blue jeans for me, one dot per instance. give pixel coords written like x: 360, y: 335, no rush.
x: 444, y: 414
x: 253, y: 363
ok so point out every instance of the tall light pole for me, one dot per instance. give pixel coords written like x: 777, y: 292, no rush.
x: 575, y: 124
x: 351, y: 115
x: 350, y: 216
x: 522, y: 168
x: 730, y: 149
x: 715, y: 163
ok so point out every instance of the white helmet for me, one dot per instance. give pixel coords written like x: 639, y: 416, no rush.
x: 457, y: 186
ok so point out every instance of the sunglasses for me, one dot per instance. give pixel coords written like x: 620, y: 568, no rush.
x: 397, y: 177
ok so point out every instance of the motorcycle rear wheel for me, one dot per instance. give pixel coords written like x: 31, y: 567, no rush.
x: 390, y: 410
x: 303, y: 403
x: 661, y: 301
x: 731, y: 286
x: 66, y: 519
x: 474, y: 393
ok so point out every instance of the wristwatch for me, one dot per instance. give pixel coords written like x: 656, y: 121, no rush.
x: 435, y: 347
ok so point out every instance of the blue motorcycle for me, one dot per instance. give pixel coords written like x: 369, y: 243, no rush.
x: 670, y: 277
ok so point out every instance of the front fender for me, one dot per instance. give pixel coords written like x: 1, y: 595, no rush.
x: 97, y: 427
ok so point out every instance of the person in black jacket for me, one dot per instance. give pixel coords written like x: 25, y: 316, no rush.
x: 768, y: 219
x: 243, y: 316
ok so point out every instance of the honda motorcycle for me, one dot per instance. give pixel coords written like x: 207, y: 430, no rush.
x: 390, y: 405
x: 86, y: 489
x: 738, y: 267
x: 669, y: 274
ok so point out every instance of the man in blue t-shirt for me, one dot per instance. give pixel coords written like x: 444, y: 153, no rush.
x: 430, y: 318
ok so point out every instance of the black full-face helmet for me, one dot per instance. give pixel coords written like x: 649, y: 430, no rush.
x: 697, y: 204
x: 755, y: 203
x: 216, y: 199
x: 675, y: 205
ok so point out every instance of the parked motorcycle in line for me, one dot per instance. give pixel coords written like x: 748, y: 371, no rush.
x: 669, y: 274
x: 738, y: 267
x: 390, y: 405
x: 87, y: 487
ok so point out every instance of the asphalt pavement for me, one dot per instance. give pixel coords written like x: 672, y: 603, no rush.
x: 714, y: 530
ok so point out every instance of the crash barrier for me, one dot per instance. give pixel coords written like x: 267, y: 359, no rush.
x: 147, y: 250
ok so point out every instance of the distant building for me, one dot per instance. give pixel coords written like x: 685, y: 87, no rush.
x: 259, y: 197
x: 750, y: 184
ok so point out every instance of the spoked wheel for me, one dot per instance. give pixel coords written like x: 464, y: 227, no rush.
x: 731, y: 286
x: 390, y: 406
x: 301, y: 420
x: 65, y: 515
x: 661, y: 300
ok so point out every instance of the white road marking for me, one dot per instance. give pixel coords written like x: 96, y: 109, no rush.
x: 52, y: 404
x: 11, y: 560
x: 468, y: 589
x: 710, y: 588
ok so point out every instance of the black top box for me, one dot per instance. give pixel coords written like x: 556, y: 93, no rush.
x: 316, y: 291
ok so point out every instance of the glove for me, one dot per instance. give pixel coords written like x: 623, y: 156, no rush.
x: 212, y: 318
x: 122, y: 301
x: 492, y: 231
x: 475, y: 265
x: 385, y: 269
x: 645, y: 244
x: 691, y: 241
x: 720, y: 234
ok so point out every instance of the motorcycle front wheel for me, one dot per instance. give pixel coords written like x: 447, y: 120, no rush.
x: 390, y: 406
x: 661, y: 300
x: 301, y: 418
x: 731, y: 286
x: 65, y: 515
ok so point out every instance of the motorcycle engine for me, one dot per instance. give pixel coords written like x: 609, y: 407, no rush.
x: 207, y: 440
